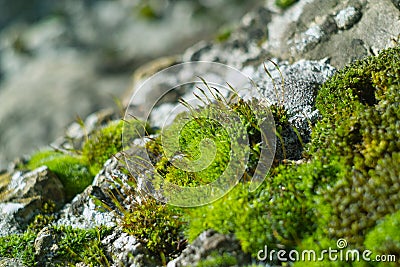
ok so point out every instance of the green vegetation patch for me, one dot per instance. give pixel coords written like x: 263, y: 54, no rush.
x: 108, y: 141
x: 72, y: 171
x: 19, y: 247
x: 360, y: 126
x: 285, y: 3
x: 158, y: 226
x: 278, y: 214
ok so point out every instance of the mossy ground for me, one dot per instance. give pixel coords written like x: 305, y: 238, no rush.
x: 72, y: 171
x: 73, y: 246
x: 347, y: 186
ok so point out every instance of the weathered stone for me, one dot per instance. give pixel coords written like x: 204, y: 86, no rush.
x: 6, y: 262
x: 8, y: 224
x: 303, y: 33
x: 346, y: 18
x: 37, y: 183
x: 207, y: 243
x: 46, y: 246
x: 25, y: 196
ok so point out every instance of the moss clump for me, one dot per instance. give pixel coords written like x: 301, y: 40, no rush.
x: 359, y: 106
x: 73, y: 246
x: 72, y: 171
x: 107, y: 141
x: 158, y: 226
x: 278, y: 214
x: 203, y: 127
x: 360, y: 109
x: 45, y: 218
x: 19, y: 247
x: 384, y: 239
x: 80, y: 245
x: 285, y: 3
x: 215, y: 259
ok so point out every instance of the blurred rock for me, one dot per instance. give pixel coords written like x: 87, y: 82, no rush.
x: 68, y: 58
x: 342, y: 31
x: 205, y: 245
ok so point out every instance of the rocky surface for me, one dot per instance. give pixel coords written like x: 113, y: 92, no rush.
x: 307, y: 42
x: 206, y: 246
x: 62, y: 59
x: 25, y: 196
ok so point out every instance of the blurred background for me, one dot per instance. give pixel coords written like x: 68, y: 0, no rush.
x: 64, y: 59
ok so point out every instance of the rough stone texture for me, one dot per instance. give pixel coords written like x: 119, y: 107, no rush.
x: 310, y: 30
x: 8, y: 224
x: 24, y: 197
x: 45, y: 246
x: 346, y: 18
x: 92, y: 207
x: 6, y: 262
x: 125, y: 250
x: 207, y: 243
x: 40, y: 182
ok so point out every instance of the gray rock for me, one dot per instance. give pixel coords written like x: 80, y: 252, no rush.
x: 346, y: 18
x: 39, y: 182
x: 8, y: 224
x: 46, y: 246
x: 205, y: 245
x: 242, y: 48
x: 25, y: 196
x: 309, y: 30
x: 296, y: 93
x: 125, y: 250
x: 84, y: 212
x: 6, y: 262
x: 97, y: 204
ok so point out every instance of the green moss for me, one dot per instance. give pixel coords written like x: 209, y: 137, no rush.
x: 19, y: 246
x: 285, y: 3
x: 80, y: 245
x: 223, y: 35
x: 192, y: 142
x: 107, y: 141
x: 74, y: 245
x: 156, y: 225
x: 359, y: 106
x: 384, y: 239
x: 281, y: 211
x: 72, y: 171
x: 360, y: 109
x: 224, y: 260
x: 45, y: 218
